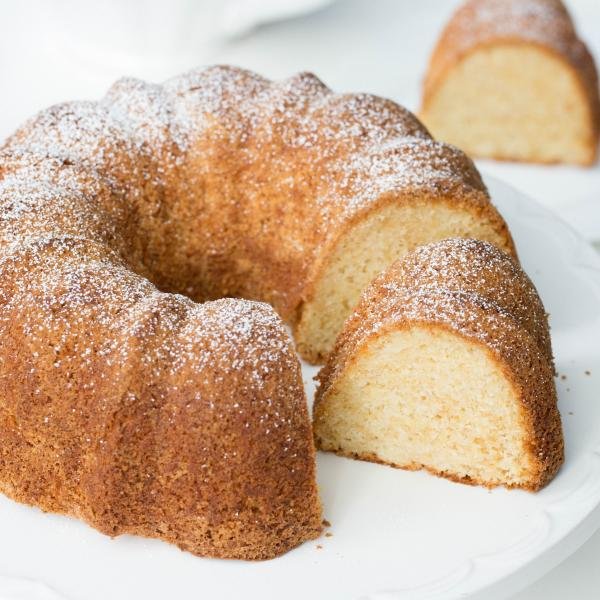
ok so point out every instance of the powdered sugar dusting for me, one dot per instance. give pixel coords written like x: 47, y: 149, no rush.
x: 85, y: 185
x: 543, y: 21
x: 355, y: 147
x: 476, y: 271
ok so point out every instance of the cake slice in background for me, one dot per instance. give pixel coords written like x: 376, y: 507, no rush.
x: 446, y: 365
x: 510, y: 79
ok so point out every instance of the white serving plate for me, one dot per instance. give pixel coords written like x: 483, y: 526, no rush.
x: 396, y: 534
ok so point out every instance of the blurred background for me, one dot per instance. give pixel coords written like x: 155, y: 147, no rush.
x: 57, y: 50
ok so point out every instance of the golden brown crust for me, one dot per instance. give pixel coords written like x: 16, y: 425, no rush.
x: 458, y: 185
x: 164, y: 446
x: 127, y: 404
x: 545, y: 24
x: 472, y: 289
x: 134, y: 409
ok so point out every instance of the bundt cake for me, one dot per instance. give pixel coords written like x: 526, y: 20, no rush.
x: 446, y: 365
x: 510, y: 79
x: 126, y: 403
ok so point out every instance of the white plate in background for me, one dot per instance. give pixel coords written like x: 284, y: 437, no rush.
x: 397, y: 535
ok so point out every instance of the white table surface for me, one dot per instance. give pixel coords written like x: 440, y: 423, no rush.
x: 377, y: 46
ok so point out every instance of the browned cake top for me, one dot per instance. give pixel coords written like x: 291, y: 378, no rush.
x: 123, y: 183
x: 474, y: 267
x: 543, y: 22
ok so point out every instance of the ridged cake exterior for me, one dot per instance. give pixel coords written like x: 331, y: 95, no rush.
x: 137, y: 410
x: 125, y: 403
x: 470, y: 293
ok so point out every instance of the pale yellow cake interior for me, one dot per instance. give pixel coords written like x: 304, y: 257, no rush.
x: 425, y: 397
x: 369, y: 248
x: 515, y: 102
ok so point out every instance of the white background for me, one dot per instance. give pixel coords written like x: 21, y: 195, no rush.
x: 54, y: 51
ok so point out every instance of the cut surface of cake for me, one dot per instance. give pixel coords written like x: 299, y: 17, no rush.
x: 446, y: 365
x: 511, y: 80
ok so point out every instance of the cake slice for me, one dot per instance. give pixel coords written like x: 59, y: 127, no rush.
x: 511, y: 80
x: 446, y: 365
